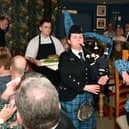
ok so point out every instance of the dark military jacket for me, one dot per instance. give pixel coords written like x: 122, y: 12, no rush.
x: 75, y: 74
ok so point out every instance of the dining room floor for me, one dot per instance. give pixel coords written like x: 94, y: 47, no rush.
x: 105, y: 123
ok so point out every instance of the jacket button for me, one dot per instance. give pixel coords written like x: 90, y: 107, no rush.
x: 86, y: 69
x: 69, y: 76
x: 73, y: 80
x: 78, y: 83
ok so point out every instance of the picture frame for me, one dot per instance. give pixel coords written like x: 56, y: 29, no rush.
x: 100, y: 23
x: 101, y: 10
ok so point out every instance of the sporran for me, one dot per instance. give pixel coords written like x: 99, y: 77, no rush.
x: 85, y: 112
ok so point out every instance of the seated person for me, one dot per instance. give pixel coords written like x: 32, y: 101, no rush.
x: 7, y: 118
x: 38, y: 106
x: 119, y: 35
x: 17, y: 70
x: 123, y: 68
x: 126, y: 32
x: 119, y: 41
x: 6, y: 113
x: 110, y: 31
x: 5, y: 57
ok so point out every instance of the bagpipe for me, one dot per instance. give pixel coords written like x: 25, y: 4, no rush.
x: 97, y: 47
x: 101, y: 39
x: 94, y: 50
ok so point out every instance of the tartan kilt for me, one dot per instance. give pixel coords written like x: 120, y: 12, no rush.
x: 71, y: 108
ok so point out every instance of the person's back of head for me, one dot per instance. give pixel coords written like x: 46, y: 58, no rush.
x: 38, y: 103
x: 5, y: 58
x: 32, y: 74
x: 18, y: 66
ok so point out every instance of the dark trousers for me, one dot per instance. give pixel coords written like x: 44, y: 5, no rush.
x: 52, y: 75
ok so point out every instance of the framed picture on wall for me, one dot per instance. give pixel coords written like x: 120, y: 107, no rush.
x: 101, y: 23
x: 101, y: 10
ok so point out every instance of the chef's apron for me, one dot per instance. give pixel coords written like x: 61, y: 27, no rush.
x: 44, y: 51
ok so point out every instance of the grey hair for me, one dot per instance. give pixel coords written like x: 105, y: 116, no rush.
x: 37, y: 102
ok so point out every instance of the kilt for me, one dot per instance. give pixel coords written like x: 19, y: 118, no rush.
x: 71, y: 108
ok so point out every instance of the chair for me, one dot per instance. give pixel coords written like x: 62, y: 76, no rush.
x: 108, y: 108
x: 105, y: 107
x: 121, y: 92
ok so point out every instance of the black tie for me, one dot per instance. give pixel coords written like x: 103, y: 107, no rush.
x: 81, y: 56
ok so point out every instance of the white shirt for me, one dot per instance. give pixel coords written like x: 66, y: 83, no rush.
x: 76, y: 52
x: 32, y: 48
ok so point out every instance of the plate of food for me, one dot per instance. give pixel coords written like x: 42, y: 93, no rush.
x: 50, y: 62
